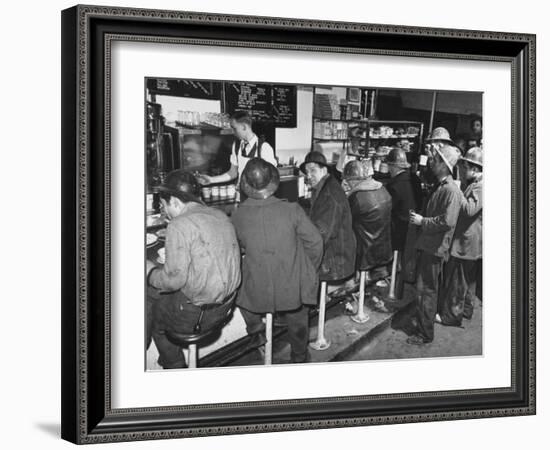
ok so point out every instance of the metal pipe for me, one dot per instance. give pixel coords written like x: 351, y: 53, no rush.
x: 321, y: 343
x: 361, y: 317
x: 434, y: 100
x: 391, y: 295
x: 192, y: 356
x: 269, y: 339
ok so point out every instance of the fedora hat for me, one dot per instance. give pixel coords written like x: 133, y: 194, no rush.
x: 314, y: 157
x: 440, y: 134
x: 181, y: 184
x: 259, y: 179
x: 398, y: 157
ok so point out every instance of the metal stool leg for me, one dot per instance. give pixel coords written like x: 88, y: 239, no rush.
x: 391, y: 295
x: 192, y: 356
x: 269, y: 339
x: 361, y: 317
x: 321, y: 343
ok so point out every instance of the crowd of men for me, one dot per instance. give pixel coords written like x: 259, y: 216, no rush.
x: 270, y: 255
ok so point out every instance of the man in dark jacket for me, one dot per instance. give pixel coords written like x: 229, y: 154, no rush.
x: 283, y: 251
x: 436, y: 231
x: 406, y: 196
x: 370, y: 206
x: 330, y: 212
x: 459, y: 290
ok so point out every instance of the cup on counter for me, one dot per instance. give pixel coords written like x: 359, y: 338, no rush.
x: 231, y: 192
x: 223, y: 192
x: 206, y: 193
x: 215, y: 193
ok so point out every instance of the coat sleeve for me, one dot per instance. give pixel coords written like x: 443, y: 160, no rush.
x: 451, y: 202
x: 310, y: 237
x: 326, y: 217
x: 472, y: 203
x: 173, y: 275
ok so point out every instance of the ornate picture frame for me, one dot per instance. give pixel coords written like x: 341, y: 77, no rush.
x: 88, y: 33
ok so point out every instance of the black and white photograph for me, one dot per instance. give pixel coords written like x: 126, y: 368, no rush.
x: 300, y: 224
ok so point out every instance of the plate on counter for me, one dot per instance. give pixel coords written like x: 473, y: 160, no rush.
x: 150, y: 239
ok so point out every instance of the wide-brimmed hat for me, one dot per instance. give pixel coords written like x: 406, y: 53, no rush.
x: 259, y: 179
x: 314, y: 157
x: 474, y: 156
x: 181, y: 184
x: 358, y: 170
x: 440, y: 134
x: 450, y: 155
x: 397, y: 157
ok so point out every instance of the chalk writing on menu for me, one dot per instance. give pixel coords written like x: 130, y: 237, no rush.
x: 283, y: 101
x: 264, y: 102
x: 185, y: 88
x: 251, y: 97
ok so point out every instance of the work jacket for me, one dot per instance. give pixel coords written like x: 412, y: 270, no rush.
x: 439, y: 221
x: 371, y: 207
x: 202, y: 256
x: 406, y: 196
x: 282, y: 252
x: 467, y: 242
x: 330, y: 212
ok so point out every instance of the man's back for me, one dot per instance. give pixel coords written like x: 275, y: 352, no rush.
x: 202, y: 256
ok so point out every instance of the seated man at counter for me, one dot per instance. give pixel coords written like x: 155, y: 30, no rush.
x: 247, y: 145
x: 330, y: 212
x: 283, y: 250
x: 370, y: 206
x: 202, y: 265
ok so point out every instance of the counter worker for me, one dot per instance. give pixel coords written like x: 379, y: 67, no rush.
x: 283, y: 251
x: 331, y: 214
x: 436, y: 231
x: 458, y: 292
x: 246, y: 145
x: 202, y: 265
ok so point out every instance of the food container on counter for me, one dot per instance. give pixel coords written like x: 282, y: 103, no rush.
x: 231, y: 191
x: 223, y: 192
x: 206, y: 193
x: 215, y: 193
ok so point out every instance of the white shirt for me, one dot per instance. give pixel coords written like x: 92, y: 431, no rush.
x: 268, y: 154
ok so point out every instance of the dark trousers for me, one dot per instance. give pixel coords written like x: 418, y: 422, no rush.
x: 297, y: 322
x: 175, y: 312
x: 429, y: 270
x: 458, y: 291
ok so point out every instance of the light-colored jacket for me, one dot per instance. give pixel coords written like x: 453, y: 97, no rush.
x: 439, y: 222
x: 202, y: 256
x: 467, y: 240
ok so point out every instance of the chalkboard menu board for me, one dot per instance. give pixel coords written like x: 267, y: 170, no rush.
x: 270, y: 103
x: 208, y: 90
x: 283, y: 105
x: 264, y: 102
